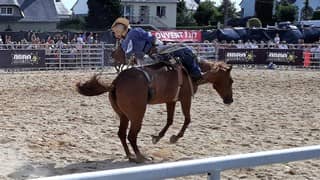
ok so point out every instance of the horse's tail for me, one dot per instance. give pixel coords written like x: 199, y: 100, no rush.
x: 93, y: 87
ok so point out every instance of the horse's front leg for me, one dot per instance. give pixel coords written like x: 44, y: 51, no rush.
x: 185, y: 104
x: 170, y: 113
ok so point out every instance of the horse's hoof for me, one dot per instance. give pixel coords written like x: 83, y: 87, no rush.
x: 140, y: 159
x: 173, y: 139
x: 155, y: 139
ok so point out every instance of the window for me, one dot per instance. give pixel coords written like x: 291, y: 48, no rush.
x: 161, y: 11
x: 127, y: 11
x: 9, y: 11
x: 3, y: 10
x: 6, y: 11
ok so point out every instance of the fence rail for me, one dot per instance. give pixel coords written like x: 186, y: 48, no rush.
x: 78, y: 56
x: 211, y: 166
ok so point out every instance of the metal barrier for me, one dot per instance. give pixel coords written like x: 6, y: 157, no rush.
x: 76, y: 56
x: 67, y: 56
x: 93, y: 56
x: 211, y: 166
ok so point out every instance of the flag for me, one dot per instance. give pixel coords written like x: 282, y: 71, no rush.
x: 306, y: 57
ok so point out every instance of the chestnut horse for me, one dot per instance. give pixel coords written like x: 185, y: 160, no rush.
x: 136, y: 87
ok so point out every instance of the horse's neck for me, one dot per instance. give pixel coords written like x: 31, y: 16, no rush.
x: 206, y: 69
x: 205, y: 66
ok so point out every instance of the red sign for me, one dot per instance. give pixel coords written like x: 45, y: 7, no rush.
x: 178, y: 36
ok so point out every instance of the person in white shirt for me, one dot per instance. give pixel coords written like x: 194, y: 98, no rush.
x: 277, y: 39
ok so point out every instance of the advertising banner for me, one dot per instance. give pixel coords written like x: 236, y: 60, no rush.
x: 261, y: 56
x: 22, y: 58
x: 178, y: 36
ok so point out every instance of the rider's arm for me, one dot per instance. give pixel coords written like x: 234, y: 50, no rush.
x: 127, y: 46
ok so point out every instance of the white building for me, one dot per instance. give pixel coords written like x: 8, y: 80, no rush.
x: 160, y: 14
x: 248, y: 6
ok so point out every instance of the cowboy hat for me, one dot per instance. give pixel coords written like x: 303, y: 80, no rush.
x: 122, y: 21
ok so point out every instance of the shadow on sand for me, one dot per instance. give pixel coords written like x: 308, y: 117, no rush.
x: 29, y: 171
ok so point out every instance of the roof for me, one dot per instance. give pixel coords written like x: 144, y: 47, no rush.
x: 150, y: 1
x: 42, y: 10
x: 9, y: 2
x: 61, y: 9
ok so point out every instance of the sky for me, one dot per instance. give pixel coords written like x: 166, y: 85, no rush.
x: 70, y: 3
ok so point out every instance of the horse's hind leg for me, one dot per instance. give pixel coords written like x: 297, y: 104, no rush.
x: 170, y: 113
x: 122, y: 133
x: 124, y: 121
x: 135, y: 127
x: 185, y: 104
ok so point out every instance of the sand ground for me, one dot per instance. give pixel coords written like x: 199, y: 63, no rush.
x: 47, y: 128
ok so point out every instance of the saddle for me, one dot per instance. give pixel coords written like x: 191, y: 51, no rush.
x: 172, y: 65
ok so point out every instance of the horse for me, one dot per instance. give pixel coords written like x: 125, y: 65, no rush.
x: 134, y: 88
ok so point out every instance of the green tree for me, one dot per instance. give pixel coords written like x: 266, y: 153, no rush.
x: 264, y: 11
x: 75, y: 23
x: 184, y: 16
x: 102, y: 13
x: 286, y: 12
x: 206, y: 13
x: 316, y: 15
x: 306, y: 11
x: 230, y: 12
x: 254, y: 22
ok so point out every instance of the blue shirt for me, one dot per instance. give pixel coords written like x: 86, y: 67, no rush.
x: 138, y: 42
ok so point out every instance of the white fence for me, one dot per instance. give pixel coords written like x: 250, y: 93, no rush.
x: 211, y: 166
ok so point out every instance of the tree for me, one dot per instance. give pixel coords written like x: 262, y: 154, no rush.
x: 264, y: 11
x: 225, y: 14
x: 286, y: 12
x: 184, y: 16
x: 254, y: 22
x: 75, y: 23
x: 206, y: 13
x: 306, y: 11
x: 316, y: 15
x: 102, y: 13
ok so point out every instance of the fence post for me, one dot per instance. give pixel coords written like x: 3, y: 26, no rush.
x: 102, y: 49
x: 60, y: 58
x: 214, y: 175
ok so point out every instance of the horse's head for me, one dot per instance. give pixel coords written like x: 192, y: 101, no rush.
x: 118, y: 55
x: 219, y: 75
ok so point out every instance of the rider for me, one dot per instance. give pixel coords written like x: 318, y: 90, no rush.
x: 137, y: 42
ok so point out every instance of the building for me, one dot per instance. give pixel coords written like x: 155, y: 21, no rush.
x: 31, y: 15
x: 160, y: 14
x: 248, y: 6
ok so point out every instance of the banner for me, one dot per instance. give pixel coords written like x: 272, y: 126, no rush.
x: 262, y: 56
x: 178, y: 36
x: 22, y: 58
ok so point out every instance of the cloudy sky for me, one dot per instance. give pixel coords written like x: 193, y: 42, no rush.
x: 70, y: 3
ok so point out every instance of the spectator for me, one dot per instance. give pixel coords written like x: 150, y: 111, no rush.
x: 90, y: 38
x: 262, y: 44
x: 240, y: 44
x: 277, y: 39
x: 283, y: 45
x: 80, y: 39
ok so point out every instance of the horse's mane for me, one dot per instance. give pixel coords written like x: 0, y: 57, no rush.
x: 215, y: 66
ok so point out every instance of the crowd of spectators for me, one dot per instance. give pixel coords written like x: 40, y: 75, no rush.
x: 49, y: 42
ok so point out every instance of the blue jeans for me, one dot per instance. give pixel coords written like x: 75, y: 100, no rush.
x: 188, y: 60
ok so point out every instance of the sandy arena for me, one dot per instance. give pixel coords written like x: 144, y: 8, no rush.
x: 48, y: 129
